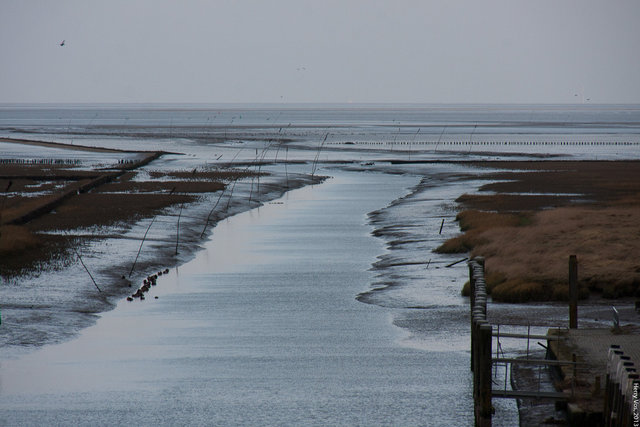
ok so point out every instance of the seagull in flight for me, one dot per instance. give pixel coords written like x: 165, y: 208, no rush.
x: 62, y: 43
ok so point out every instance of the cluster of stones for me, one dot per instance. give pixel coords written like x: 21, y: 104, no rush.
x: 146, y: 285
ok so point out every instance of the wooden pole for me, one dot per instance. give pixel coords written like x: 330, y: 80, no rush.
x: 178, y: 228
x: 87, y: 270
x: 483, y: 418
x: 612, y: 361
x: 573, y: 292
x: 472, y: 302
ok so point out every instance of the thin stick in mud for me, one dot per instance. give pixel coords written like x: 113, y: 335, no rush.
x: 87, y: 270
x: 140, y: 248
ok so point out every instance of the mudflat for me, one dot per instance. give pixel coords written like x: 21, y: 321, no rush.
x: 526, y: 221
x: 44, y: 200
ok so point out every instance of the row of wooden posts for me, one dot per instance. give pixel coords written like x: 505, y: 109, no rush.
x: 622, y: 390
x: 481, y: 340
x: 40, y: 161
x: 551, y: 143
x: 481, y: 343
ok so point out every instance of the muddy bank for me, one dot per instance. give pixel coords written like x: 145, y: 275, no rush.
x: 66, y: 264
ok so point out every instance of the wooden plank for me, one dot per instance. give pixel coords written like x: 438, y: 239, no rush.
x: 531, y: 336
x: 524, y: 394
x: 534, y: 361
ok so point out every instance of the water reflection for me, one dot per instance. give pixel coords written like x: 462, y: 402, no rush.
x: 262, y: 331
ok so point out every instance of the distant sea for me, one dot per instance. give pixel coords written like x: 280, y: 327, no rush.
x: 586, y: 131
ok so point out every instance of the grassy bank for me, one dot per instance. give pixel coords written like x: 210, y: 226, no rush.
x: 589, y: 209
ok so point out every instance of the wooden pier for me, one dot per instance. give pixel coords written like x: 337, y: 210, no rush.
x: 483, y: 362
x: 600, y: 367
x: 604, y: 389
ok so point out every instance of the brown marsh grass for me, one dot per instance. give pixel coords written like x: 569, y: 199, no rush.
x: 474, y: 223
x: 530, y: 262
x: 16, y: 239
x: 30, y: 188
x: 605, y: 240
x: 527, y: 250
x: 217, y: 175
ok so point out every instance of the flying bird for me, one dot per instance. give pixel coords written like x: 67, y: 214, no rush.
x: 62, y: 43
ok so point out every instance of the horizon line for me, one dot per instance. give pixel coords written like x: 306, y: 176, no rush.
x: 295, y: 104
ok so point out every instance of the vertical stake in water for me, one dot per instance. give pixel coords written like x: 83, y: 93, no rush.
x: 140, y: 248
x: 528, y: 338
x: 495, y: 372
x: 286, y: 159
x: 87, y: 270
x: 178, y: 228
x: 573, y: 292
x: 315, y: 161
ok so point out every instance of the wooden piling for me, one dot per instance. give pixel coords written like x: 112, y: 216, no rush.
x: 573, y: 292
x: 472, y: 302
x: 480, y: 261
x: 481, y: 345
x: 612, y: 361
x: 484, y: 408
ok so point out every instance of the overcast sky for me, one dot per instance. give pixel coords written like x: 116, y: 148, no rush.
x: 447, y: 51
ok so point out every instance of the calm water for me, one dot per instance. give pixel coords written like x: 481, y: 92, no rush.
x: 569, y: 130
x: 293, y: 314
x: 262, y: 328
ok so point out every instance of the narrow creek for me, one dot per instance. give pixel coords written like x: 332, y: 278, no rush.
x: 263, y: 328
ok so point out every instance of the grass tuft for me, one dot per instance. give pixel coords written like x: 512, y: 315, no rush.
x: 517, y: 291
x: 474, y: 223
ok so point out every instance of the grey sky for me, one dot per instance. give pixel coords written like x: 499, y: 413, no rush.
x: 542, y: 51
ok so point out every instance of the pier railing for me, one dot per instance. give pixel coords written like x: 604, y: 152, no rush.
x: 481, y: 339
x: 622, y: 390
x: 482, y: 362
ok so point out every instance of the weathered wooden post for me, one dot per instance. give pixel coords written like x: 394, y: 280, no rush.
x: 472, y: 303
x: 475, y: 365
x: 484, y: 408
x: 612, y: 361
x: 616, y: 411
x: 629, y: 409
x: 573, y: 292
x: 480, y: 261
x: 481, y: 343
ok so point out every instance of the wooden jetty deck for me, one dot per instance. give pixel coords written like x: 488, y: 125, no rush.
x: 600, y: 368
x: 591, y: 348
